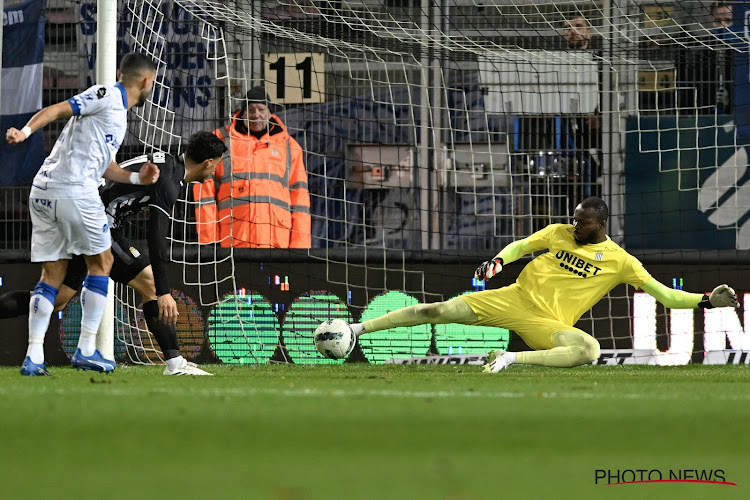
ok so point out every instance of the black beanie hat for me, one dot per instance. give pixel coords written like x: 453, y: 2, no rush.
x: 256, y: 94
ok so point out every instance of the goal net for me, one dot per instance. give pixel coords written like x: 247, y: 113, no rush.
x: 435, y: 133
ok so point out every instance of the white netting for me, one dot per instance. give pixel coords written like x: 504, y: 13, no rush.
x: 434, y: 133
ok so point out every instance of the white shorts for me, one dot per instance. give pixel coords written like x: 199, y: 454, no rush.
x: 61, y: 228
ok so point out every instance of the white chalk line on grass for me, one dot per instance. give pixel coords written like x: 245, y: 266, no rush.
x: 228, y: 392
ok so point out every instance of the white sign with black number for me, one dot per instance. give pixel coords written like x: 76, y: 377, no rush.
x: 295, y: 78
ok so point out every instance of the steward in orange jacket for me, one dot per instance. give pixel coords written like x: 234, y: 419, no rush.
x: 258, y: 198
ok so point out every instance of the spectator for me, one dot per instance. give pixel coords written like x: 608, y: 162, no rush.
x: 704, y: 65
x: 722, y: 22
x: 722, y: 15
x: 258, y: 197
x: 584, y: 131
x: 577, y: 33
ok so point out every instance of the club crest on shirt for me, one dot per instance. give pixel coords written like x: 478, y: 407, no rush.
x: 598, y: 256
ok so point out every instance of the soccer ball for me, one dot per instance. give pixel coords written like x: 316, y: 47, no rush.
x: 334, y: 339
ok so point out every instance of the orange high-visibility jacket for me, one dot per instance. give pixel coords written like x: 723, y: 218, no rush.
x: 258, y: 198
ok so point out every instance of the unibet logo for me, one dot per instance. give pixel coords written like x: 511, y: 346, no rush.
x: 576, y: 265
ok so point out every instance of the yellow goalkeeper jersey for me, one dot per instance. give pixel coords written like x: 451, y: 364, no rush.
x: 569, y: 279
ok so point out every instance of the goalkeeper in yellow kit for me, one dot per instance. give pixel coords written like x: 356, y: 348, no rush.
x: 552, y: 292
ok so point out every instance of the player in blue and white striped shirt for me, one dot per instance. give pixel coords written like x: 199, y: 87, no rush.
x: 67, y: 214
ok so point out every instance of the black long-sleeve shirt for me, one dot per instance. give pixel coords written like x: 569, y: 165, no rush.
x: 123, y: 200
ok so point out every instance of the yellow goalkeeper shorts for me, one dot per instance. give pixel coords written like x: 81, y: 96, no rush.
x: 507, y: 308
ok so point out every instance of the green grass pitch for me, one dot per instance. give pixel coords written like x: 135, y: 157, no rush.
x: 360, y: 431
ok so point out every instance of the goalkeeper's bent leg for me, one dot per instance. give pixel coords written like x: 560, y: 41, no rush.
x: 574, y: 348
x: 455, y: 310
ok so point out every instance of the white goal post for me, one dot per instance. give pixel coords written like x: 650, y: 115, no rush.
x: 106, y: 73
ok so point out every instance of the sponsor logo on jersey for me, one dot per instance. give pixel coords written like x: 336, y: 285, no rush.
x: 110, y: 139
x: 101, y: 92
x: 43, y: 202
x: 576, y: 265
x: 41, y: 205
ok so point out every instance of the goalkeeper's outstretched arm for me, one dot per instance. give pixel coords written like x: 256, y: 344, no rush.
x: 721, y: 296
x: 511, y: 253
x: 455, y: 310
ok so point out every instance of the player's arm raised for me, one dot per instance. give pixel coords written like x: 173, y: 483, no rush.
x: 39, y: 120
x: 148, y: 174
x: 721, y: 296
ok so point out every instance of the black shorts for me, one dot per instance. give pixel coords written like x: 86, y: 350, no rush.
x: 128, y: 263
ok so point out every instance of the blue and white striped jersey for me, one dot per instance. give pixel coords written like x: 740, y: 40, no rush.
x: 87, y: 144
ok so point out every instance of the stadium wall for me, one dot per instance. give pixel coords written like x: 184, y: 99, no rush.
x: 257, y: 271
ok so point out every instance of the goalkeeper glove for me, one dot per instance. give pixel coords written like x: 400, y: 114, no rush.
x: 488, y: 269
x: 722, y: 296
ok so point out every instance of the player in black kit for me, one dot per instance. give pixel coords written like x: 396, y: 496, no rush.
x: 146, y: 275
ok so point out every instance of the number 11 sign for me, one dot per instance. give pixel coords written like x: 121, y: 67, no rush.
x: 295, y: 78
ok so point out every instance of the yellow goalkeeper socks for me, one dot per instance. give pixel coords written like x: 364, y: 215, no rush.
x: 455, y: 310
x: 560, y: 357
x: 574, y: 348
x: 408, y: 316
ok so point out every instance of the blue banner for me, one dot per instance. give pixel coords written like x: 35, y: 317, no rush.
x: 741, y: 27
x: 675, y: 193
x: 186, y: 50
x: 23, y: 54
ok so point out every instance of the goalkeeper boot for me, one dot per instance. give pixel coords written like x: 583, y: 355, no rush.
x: 31, y: 369
x: 186, y: 368
x: 95, y: 362
x: 496, y: 361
